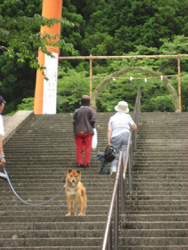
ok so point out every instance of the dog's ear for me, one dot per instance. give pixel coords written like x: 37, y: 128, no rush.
x: 69, y: 170
x: 78, y: 171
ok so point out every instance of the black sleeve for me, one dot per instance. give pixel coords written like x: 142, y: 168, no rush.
x: 93, y: 124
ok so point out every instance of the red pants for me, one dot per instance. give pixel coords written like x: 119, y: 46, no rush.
x: 83, y: 140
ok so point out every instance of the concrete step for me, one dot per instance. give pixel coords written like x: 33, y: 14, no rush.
x: 72, y: 224
x: 154, y: 241
x: 153, y: 248
x: 91, y: 210
x: 60, y: 217
x: 19, y: 234
x: 60, y: 211
x: 55, y: 248
x: 35, y: 242
x: 154, y: 233
x: 155, y: 217
x: 156, y: 210
x: 156, y: 225
x: 163, y: 196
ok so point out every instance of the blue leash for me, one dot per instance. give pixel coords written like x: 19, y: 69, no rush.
x: 27, y: 203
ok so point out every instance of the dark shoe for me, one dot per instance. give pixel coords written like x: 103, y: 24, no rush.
x: 79, y: 166
x: 86, y: 166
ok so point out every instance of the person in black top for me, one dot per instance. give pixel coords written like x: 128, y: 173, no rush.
x: 84, y: 122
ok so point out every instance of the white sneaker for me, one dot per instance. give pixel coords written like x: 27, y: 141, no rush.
x: 113, y: 172
x: 3, y: 176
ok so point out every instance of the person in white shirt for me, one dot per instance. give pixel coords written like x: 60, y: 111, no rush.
x: 119, y: 127
x: 2, y: 156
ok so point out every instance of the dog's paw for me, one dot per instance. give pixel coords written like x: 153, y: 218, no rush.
x: 68, y: 214
x: 80, y: 214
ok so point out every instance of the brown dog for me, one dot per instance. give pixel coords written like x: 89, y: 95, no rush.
x: 75, y: 192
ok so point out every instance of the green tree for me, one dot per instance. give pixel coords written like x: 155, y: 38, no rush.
x: 71, y: 87
x: 102, y: 27
x: 20, y: 40
x: 97, y: 44
x: 27, y: 104
x: 132, y: 23
x: 72, y: 34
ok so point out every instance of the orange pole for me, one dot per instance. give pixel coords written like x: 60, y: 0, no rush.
x: 179, y: 83
x: 91, y: 75
x: 50, y: 9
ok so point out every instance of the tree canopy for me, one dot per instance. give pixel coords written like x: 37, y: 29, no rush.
x: 100, y: 27
x: 20, y: 40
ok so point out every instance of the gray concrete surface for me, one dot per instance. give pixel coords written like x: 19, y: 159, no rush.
x: 13, y: 122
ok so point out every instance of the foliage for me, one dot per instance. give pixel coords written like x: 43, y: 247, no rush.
x: 20, y: 40
x: 70, y: 89
x: 132, y: 23
x: 160, y: 103
x: 98, y: 44
x: 73, y: 85
x: 128, y: 93
x: 72, y: 33
x: 123, y: 89
x: 101, y: 27
x: 17, y: 82
x: 155, y: 95
x: 27, y: 104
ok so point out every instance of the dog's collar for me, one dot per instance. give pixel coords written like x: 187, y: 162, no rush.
x: 70, y: 186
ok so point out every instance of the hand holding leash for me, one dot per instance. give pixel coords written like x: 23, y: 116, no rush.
x: 3, y: 161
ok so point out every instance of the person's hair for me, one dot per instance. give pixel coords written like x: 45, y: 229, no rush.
x: 85, y: 100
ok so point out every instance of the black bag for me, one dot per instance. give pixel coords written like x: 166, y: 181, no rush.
x: 109, y: 154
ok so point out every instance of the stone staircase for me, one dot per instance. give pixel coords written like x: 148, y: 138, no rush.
x: 157, y: 210
x: 38, y: 157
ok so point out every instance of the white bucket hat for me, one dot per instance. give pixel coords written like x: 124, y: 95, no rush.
x: 122, y: 107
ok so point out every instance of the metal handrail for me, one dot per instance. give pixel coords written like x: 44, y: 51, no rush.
x: 127, y: 155
x: 112, y: 203
x: 120, y: 177
x: 133, y: 133
x: 136, y: 115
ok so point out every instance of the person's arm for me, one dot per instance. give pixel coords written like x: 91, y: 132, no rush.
x: 109, y: 135
x: 134, y: 126
x: 74, y: 121
x: 92, y: 118
x: 3, y: 161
